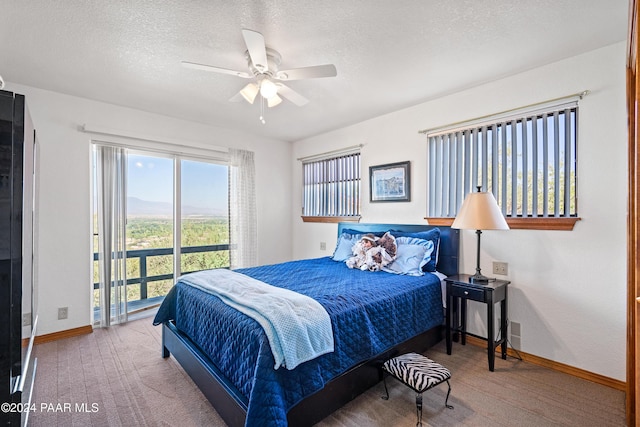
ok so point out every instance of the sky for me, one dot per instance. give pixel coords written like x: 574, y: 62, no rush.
x: 203, y: 184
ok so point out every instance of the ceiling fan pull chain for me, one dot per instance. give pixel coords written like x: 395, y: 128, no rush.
x: 262, y: 110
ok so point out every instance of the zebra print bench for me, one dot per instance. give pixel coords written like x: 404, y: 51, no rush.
x: 419, y: 373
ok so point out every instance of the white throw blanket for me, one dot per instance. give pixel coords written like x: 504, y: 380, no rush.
x: 298, y: 327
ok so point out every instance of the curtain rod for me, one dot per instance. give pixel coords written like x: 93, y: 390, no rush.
x: 319, y: 156
x: 576, y: 96
x: 212, y: 156
x: 132, y: 135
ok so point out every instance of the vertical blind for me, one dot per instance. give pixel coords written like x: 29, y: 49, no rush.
x: 528, y: 163
x: 332, y: 186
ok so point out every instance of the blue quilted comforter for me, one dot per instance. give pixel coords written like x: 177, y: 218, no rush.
x: 370, y: 313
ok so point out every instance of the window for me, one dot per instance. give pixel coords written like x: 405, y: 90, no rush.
x: 528, y: 162
x: 155, y: 182
x: 331, y: 188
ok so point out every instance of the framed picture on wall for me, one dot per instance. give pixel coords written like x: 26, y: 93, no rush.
x: 390, y: 182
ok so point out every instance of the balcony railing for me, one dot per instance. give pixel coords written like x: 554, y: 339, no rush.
x: 144, y: 280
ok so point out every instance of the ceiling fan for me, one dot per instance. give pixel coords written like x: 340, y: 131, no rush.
x: 264, y: 69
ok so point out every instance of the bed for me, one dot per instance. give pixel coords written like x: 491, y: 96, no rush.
x: 374, y: 315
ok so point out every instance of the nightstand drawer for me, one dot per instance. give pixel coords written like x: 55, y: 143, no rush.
x: 469, y: 293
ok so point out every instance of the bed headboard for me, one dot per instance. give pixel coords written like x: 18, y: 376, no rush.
x: 448, y: 254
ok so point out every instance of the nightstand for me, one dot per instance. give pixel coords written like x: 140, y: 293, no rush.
x: 459, y: 290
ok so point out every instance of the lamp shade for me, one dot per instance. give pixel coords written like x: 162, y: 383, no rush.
x: 480, y: 211
x: 268, y: 88
x: 249, y: 92
x: 273, y: 101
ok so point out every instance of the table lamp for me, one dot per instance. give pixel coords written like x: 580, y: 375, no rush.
x: 480, y: 211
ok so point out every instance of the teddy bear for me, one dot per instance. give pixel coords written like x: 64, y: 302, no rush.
x: 372, y: 253
x: 383, y: 254
x: 359, y: 251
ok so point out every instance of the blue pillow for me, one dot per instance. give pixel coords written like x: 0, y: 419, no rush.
x: 412, y: 255
x: 432, y: 235
x: 362, y: 233
x: 344, y: 246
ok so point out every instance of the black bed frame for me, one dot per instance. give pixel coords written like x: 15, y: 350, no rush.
x: 228, y: 402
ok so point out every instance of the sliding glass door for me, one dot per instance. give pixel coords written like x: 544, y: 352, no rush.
x: 204, y: 211
x: 177, y: 221
x: 150, y: 229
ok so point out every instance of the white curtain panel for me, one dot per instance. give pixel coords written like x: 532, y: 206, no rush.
x: 242, y: 209
x: 111, y: 164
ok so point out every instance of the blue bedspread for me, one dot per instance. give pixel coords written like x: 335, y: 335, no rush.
x: 298, y: 327
x: 370, y: 313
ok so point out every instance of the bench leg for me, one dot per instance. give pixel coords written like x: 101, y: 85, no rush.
x: 419, y: 409
x: 447, y: 399
x: 384, y: 380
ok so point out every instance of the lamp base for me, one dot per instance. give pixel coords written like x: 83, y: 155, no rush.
x: 479, y: 278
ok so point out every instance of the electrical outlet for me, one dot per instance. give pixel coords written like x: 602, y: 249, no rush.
x: 63, y: 313
x: 516, y: 336
x: 501, y: 268
x: 516, y: 343
x: 26, y: 319
x: 515, y: 329
x: 323, y: 246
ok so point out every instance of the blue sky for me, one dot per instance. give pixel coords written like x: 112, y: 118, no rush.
x: 203, y: 184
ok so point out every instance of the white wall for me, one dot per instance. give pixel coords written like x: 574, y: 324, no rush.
x: 64, y: 241
x: 568, y: 287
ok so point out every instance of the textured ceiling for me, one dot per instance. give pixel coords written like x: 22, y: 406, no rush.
x: 389, y: 55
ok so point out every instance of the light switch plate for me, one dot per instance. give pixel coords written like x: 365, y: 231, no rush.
x: 501, y: 268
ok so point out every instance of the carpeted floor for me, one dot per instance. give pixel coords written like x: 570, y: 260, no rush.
x: 75, y: 387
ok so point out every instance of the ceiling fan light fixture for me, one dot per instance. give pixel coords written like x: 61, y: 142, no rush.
x: 273, y: 101
x: 249, y: 92
x: 265, y: 74
x: 268, y: 89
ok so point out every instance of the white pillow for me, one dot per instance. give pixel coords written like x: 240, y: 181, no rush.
x: 412, y: 255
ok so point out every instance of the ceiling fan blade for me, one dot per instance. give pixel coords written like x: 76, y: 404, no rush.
x: 257, y: 49
x: 291, y: 95
x: 313, y: 72
x: 204, y: 67
x: 237, y: 97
